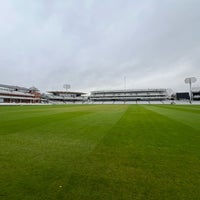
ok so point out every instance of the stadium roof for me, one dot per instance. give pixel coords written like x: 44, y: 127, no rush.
x: 130, y: 90
x: 33, y: 88
x: 65, y: 92
x: 13, y: 87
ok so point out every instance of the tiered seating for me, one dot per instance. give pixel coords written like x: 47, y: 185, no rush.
x: 128, y: 96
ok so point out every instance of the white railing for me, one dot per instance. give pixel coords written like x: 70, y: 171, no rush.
x: 16, y: 97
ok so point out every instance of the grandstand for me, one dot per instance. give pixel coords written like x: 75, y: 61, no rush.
x: 16, y: 94
x: 196, y: 93
x: 10, y: 94
x: 58, y: 97
x: 183, y: 96
x: 130, y: 96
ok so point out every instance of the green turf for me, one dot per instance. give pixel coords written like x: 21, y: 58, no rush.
x: 136, y: 152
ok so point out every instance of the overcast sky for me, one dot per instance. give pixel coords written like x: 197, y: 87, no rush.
x: 94, y: 44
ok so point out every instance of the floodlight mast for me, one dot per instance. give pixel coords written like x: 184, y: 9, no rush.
x: 125, y: 83
x: 125, y: 88
x: 190, y: 80
x: 66, y: 86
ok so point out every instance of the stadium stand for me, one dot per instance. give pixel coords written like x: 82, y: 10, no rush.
x: 196, y: 93
x: 144, y: 96
x: 60, y: 97
x: 10, y: 94
x: 182, y: 96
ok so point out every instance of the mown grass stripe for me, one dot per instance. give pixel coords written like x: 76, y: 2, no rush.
x: 189, y: 118
x: 194, y: 109
x: 130, y: 160
x: 47, y: 154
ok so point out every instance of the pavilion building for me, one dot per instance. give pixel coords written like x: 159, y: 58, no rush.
x: 16, y: 94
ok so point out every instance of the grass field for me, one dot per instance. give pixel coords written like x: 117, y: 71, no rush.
x: 136, y: 152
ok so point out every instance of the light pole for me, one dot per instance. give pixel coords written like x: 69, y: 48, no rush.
x: 189, y: 81
x: 125, y: 83
x: 66, y: 86
x: 125, y: 88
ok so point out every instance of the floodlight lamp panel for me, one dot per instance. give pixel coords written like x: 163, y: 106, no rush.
x: 193, y: 79
x: 187, y: 80
x: 190, y: 80
x: 66, y: 86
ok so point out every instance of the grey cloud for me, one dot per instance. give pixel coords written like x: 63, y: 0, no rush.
x: 93, y: 44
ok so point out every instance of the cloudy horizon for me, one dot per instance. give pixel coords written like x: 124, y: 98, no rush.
x: 92, y: 44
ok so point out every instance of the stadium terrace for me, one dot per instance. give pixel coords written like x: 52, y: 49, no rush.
x: 130, y: 95
x: 63, y: 97
x: 10, y: 94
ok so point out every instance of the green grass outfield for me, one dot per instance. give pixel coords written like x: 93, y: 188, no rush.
x: 89, y: 152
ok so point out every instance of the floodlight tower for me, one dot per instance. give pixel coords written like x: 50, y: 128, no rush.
x: 125, y: 83
x: 66, y: 86
x: 125, y: 89
x: 189, y: 81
